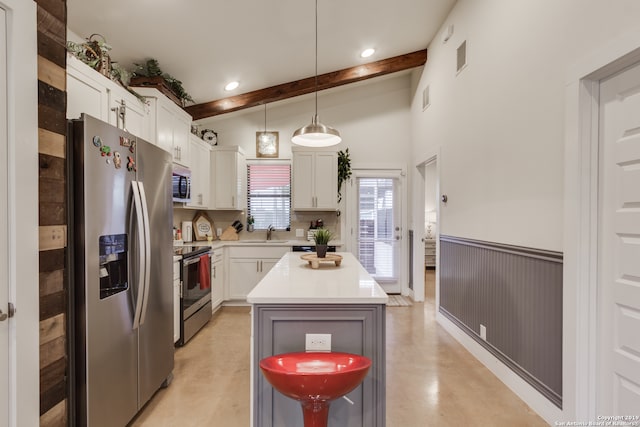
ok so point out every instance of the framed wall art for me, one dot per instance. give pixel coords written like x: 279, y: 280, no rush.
x: 267, y: 144
x: 203, y: 227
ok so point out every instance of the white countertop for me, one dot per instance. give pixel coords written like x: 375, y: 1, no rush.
x: 251, y: 242
x: 293, y: 281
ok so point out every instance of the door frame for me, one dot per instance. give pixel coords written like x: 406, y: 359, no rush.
x: 580, y: 324
x: 22, y: 198
x: 386, y: 171
x: 419, y: 201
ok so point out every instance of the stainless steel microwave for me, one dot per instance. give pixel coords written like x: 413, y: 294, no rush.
x: 181, y: 184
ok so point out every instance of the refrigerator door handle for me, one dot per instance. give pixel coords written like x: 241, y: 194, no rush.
x: 137, y: 205
x: 147, y: 252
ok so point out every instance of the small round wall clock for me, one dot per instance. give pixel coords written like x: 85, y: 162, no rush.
x: 210, y: 136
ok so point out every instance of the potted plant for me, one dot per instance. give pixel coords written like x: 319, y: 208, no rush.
x: 250, y: 221
x: 344, y: 170
x: 322, y: 238
x: 150, y: 74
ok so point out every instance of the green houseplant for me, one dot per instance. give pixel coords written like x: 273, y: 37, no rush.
x: 344, y: 170
x: 322, y: 238
x: 149, y: 73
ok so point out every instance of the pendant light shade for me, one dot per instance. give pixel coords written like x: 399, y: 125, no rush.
x: 316, y: 134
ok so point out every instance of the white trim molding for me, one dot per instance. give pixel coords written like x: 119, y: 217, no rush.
x: 22, y: 175
x: 581, y: 235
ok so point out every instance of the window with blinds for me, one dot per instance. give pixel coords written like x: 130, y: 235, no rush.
x: 269, y: 195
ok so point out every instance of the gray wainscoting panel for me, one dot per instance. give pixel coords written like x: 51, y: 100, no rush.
x: 516, y: 293
x: 354, y: 328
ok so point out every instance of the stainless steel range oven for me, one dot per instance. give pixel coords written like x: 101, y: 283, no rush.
x: 195, y: 290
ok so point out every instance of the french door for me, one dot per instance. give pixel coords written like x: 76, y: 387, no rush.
x: 377, y: 227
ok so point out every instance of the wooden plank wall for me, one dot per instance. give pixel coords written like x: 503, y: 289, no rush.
x: 52, y: 105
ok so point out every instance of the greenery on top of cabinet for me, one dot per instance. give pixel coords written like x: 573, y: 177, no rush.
x: 151, y: 68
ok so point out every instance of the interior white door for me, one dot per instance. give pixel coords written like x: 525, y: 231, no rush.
x: 4, y: 242
x: 618, y: 391
x: 379, y: 229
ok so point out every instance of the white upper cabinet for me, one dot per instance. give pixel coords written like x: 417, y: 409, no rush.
x: 86, y: 91
x: 128, y: 112
x: 200, y: 173
x: 228, y: 178
x: 315, y: 180
x: 92, y: 93
x: 169, y: 126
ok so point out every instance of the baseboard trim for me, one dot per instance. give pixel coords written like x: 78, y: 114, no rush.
x: 532, y: 397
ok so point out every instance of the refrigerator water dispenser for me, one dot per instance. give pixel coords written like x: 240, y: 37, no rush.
x: 114, y: 272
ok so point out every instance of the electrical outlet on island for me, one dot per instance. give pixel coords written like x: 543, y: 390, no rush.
x: 317, y: 342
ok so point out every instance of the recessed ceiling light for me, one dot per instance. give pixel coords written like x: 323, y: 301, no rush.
x: 231, y: 86
x: 367, y: 53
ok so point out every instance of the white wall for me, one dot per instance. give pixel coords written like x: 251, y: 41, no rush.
x: 373, y: 119
x: 500, y: 127
x: 500, y: 121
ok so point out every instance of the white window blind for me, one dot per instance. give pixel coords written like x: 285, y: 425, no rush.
x: 377, y: 217
x: 269, y: 195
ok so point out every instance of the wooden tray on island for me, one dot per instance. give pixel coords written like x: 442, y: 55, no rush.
x: 314, y: 261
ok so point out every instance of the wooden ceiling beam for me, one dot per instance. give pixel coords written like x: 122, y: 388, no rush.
x: 308, y: 85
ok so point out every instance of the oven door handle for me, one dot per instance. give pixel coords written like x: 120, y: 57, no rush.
x: 193, y: 259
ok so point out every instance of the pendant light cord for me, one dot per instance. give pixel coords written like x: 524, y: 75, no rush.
x: 316, y: 57
x: 265, y: 118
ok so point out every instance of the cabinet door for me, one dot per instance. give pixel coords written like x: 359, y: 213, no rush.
x: 302, y: 181
x: 325, y: 177
x: 176, y: 301
x: 165, y: 125
x: 181, y: 140
x: 217, y: 284
x: 135, y: 116
x: 265, y: 266
x: 243, y: 276
x: 84, y: 93
x: 225, y: 195
x: 200, y: 165
x: 176, y: 310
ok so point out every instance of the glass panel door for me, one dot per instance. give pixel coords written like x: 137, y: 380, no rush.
x: 380, y: 229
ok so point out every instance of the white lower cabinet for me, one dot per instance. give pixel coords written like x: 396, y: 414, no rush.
x: 176, y: 301
x: 248, y: 265
x: 217, y: 279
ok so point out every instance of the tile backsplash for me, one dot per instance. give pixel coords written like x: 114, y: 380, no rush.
x: 299, y: 220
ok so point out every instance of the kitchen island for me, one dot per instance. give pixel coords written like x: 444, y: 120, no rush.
x: 293, y: 300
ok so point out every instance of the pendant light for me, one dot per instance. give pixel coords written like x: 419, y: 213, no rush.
x: 316, y: 134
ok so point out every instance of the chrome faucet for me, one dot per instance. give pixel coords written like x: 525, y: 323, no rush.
x: 270, y: 229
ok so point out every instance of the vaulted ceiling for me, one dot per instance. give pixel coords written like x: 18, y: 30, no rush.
x: 259, y: 43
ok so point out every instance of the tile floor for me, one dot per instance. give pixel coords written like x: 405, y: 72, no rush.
x: 442, y: 385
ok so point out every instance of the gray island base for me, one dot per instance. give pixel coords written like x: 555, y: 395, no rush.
x: 294, y: 300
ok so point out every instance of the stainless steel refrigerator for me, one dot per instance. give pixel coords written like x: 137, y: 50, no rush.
x: 122, y: 254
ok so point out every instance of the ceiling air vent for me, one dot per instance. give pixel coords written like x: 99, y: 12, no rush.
x: 461, y: 55
x: 425, y: 98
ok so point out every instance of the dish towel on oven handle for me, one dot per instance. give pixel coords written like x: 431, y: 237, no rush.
x: 204, y: 271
